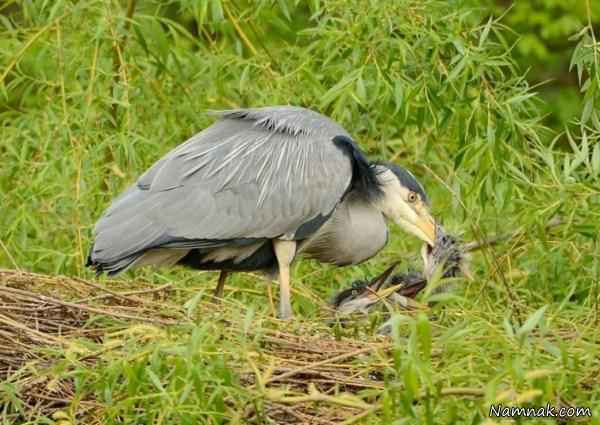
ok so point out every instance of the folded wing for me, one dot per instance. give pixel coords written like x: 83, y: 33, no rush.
x: 255, y: 174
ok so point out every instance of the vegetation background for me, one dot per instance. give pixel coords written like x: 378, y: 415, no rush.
x: 493, y: 106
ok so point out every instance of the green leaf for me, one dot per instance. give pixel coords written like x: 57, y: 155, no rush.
x: 284, y: 8
x: 191, y: 305
x: 596, y: 160
x: 456, y: 71
x: 361, y: 92
x: 216, y: 10
x: 201, y: 11
x: 508, y: 328
x: 424, y: 335
x: 485, y: 32
x: 155, y: 380
x: 588, y: 108
x: 398, y: 96
x: 532, y: 322
x: 520, y: 98
x: 338, y: 90
x: 411, y: 381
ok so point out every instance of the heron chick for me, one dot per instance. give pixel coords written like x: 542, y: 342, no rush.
x: 445, y: 257
x: 252, y: 192
x: 363, y: 295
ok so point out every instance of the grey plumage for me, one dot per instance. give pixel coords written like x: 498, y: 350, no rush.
x: 255, y: 174
x: 356, y: 232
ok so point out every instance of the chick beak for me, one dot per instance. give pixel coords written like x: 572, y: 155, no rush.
x: 425, y: 250
x: 381, y: 280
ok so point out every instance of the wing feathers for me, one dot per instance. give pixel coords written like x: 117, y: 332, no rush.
x: 255, y: 174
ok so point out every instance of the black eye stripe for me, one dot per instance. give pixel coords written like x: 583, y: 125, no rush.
x: 406, y: 179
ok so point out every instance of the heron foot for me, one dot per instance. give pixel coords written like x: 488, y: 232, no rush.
x: 285, y: 312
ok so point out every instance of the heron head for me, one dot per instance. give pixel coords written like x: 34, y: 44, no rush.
x: 405, y: 202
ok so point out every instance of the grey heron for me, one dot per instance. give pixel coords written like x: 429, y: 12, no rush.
x: 254, y: 190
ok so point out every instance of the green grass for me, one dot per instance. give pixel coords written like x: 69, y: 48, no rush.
x: 429, y: 84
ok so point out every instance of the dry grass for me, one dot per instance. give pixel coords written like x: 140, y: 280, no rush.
x: 302, y: 376
x: 38, y: 312
x: 57, y: 331
x: 313, y: 371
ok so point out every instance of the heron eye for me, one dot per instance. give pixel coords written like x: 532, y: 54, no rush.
x: 412, y: 197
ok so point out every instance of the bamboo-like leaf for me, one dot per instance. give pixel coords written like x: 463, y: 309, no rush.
x: 532, y: 321
x: 424, y: 335
x: 486, y: 31
x: 588, y: 108
x: 596, y: 160
x: 520, y: 98
x: 337, y: 90
x: 283, y: 5
x: 457, y: 70
x: 216, y: 10
x: 155, y: 380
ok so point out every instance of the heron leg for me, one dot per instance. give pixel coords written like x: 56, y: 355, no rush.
x: 218, y: 293
x: 285, y: 252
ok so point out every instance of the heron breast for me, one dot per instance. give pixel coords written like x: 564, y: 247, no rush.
x: 356, y: 232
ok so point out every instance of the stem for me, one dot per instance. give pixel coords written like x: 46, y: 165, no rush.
x: 239, y: 30
x: 494, y: 240
x: 457, y: 391
x: 118, y: 48
x: 320, y: 363
x: 588, y: 8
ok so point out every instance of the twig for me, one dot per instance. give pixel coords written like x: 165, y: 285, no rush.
x: 320, y: 363
x: 127, y: 294
x: 239, y: 30
x: 315, y: 395
x: 493, y: 240
x: 119, y: 47
x: 256, y: 35
x: 110, y: 292
x: 456, y: 391
x: 292, y: 412
x: 26, y: 46
x: 48, y: 339
x: 84, y: 307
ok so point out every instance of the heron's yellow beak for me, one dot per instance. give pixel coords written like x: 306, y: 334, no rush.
x: 426, y: 225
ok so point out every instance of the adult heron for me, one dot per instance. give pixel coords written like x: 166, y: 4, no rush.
x: 251, y: 192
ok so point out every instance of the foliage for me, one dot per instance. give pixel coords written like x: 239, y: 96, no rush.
x: 541, y: 31
x: 93, y: 92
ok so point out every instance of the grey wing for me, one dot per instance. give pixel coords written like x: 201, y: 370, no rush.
x: 257, y: 173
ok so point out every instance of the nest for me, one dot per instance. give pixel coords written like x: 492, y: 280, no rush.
x: 307, y: 378
x: 312, y: 380
x: 39, y: 313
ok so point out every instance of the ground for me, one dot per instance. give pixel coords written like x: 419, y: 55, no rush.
x: 80, y: 351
